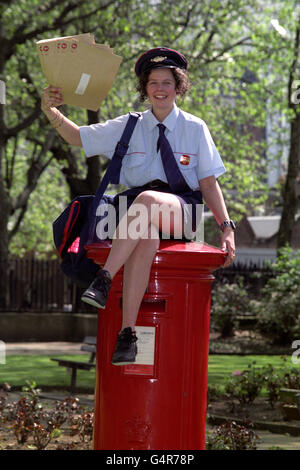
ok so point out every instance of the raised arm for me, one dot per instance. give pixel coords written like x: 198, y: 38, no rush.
x: 66, y: 128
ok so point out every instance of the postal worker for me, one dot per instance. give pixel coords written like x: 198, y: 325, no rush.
x: 171, y: 162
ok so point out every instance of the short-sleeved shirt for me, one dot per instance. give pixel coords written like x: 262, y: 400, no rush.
x: 188, y: 135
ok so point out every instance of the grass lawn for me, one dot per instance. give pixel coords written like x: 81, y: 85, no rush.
x: 220, y: 367
x: 47, y: 374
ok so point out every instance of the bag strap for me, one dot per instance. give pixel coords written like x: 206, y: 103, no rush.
x: 112, y: 174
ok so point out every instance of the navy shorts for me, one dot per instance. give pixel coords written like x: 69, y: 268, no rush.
x: 191, y: 202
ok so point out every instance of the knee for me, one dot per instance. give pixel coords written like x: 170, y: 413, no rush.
x: 147, y: 198
x: 151, y: 205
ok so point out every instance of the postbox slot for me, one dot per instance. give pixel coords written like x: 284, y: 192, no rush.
x: 152, y: 305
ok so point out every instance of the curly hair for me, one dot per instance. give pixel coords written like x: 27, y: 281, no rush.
x: 182, y: 83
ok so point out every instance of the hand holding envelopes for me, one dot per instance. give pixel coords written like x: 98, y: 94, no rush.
x: 84, y: 70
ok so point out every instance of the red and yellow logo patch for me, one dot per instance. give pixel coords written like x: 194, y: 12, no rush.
x: 184, y: 159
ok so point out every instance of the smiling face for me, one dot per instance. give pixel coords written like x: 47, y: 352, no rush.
x: 161, y: 91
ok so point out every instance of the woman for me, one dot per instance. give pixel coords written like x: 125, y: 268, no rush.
x: 163, y: 135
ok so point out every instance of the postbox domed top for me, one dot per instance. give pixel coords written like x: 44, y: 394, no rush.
x: 172, y: 254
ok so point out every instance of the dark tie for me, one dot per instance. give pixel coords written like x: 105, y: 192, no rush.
x: 175, y: 179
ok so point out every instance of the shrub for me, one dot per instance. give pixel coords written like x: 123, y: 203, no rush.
x: 246, y: 385
x: 82, y: 425
x: 278, y: 311
x: 214, y: 393
x: 30, y: 420
x: 232, y: 436
x: 273, y: 383
x: 292, y: 378
x: 228, y: 301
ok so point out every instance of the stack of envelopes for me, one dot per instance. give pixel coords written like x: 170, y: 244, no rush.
x: 84, y: 70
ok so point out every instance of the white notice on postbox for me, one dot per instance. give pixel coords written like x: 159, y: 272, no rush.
x: 145, y: 345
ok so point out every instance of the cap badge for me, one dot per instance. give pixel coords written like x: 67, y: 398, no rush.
x: 184, y: 159
x: 158, y: 59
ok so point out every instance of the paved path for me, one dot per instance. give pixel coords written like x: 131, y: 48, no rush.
x: 43, y: 348
x: 267, y: 441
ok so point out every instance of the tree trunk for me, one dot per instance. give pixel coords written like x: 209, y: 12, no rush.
x: 289, y: 209
x: 4, y: 215
x: 4, y: 211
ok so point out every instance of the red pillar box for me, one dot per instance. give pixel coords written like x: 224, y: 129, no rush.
x: 158, y: 403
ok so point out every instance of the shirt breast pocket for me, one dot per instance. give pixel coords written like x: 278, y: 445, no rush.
x: 188, y: 164
x: 133, y: 159
x: 133, y: 168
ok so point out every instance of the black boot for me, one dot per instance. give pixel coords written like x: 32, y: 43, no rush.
x: 126, y: 348
x: 97, y: 293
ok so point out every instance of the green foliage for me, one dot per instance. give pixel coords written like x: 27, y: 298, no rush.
x: 228, y: 302
x: 34, y: 235
x: 291, y: 378
x: 278, y: 310
x: 245, y: 386
x: 222, y: 40
x: 273, y: 383
x: 275, y: 379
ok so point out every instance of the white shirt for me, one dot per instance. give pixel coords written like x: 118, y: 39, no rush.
x: 189, y: 137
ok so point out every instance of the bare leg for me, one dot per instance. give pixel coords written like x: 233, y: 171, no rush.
x: 136, y: 254
x: 122, y: 248
x: 136, y: 278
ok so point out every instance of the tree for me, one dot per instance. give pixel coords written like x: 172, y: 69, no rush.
x: 270, y: 49
x: 22, y: 22
x: 221, y: 41
x: 290, y: 196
